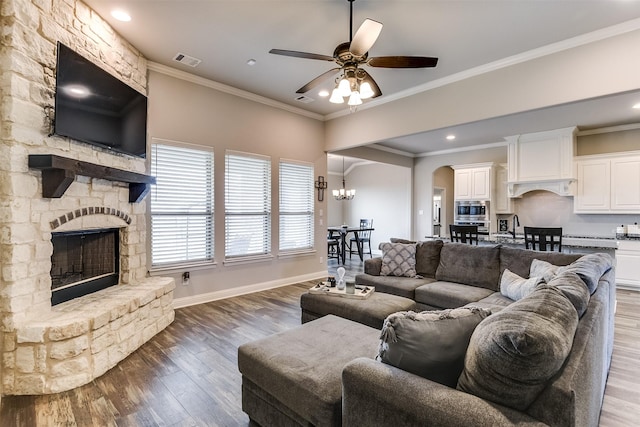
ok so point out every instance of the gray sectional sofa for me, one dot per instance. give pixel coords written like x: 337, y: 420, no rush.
x: 577, y: 306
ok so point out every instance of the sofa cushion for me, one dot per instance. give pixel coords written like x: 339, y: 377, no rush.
x: 449, y: 294
x: 428, y: 257
x: 574, y: 289
x: 519, y: 260
x: 431, y: 344
x: 471, y: 265
x: 404, y: 287
x: 590, y: 268
x: 398, y: 259
x: 513, y: 353
x: 515, y: 287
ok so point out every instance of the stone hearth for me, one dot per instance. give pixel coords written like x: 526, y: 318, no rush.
x: 49, y: 349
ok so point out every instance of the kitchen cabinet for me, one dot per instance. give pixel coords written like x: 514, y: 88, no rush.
x: 502, y: 203
x: 472, y: 182
x: 541, y: 161
x: 628, y: 264
x: 608, y: 184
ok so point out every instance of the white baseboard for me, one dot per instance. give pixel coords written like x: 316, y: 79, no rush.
x: 243, y: 290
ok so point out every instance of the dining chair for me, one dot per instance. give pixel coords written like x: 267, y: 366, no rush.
x: 464, y: 233
x: 333, y: 246
x: 364, y: 236
x: 546, y: 239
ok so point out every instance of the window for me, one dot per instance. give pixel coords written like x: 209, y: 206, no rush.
x: 296, y: 205
x: 181, y: 204
x: 247, y: 205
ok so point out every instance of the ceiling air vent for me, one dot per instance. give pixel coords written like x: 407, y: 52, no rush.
x: 304, y: 99
x: 187, y: 60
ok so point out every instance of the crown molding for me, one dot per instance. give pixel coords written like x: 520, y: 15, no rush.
x: 183, y: 75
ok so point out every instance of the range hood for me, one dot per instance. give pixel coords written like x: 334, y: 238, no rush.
x: 542, y: 161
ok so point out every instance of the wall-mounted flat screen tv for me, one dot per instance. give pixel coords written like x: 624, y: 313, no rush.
x: 95, y: 107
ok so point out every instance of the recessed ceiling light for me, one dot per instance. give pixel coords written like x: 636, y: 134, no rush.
x: 121, y: 15
x: 451, y: 137
x: 637, y: 106
x: 251, y: 62
x: 323, y: 93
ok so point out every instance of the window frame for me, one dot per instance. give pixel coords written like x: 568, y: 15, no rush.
x: 209, y: 247
x: 265, y: 206
x: 284, y: 212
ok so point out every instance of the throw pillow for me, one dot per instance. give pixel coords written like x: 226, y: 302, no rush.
x: 516, y: 351
x: 515, y: 287
x: 544, y: 269
x: 471, y: 265
x: 428, y: 257
x: 398, y: 259
x: 431, y: 344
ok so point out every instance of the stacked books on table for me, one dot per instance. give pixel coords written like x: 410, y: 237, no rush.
x: 360, y: 292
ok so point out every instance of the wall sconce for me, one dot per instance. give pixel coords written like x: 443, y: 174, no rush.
x: 321, y: 185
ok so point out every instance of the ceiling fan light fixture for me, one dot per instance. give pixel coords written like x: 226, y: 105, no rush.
x: 336, y: 97
x: 355, y: 99
x: 365, y: 91
x: 344, y: 87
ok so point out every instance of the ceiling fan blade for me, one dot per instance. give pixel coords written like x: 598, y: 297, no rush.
x: 305, y: 55
x: 374, y: 86
x: 315, y: 82
x: 403, y: 62
x: 365, y: 37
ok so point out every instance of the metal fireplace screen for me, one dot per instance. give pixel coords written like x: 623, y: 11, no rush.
x: 83, y: 262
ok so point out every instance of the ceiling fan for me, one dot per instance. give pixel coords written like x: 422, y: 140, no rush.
x: 354, y: 82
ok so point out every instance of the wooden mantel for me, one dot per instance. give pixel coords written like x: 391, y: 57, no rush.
x: 59, y: 172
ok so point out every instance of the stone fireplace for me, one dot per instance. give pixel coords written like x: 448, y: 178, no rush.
x: 49, y: 348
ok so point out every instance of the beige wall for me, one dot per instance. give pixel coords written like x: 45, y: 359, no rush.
x: 184, y: 111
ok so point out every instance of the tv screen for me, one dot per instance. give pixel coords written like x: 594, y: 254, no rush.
x: 95, y: 107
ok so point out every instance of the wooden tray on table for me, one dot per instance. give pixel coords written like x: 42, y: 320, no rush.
x: 361, y: 292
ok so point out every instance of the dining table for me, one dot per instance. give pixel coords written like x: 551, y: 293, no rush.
x: 344, y: 231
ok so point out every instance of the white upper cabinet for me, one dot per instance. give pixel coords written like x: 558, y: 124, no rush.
x: 608, y: 184
x: 541, y: 161
x: 472, y: 182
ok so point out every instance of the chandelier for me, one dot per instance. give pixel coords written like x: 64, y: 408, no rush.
x: 354, y: 85
x: 343, y: 193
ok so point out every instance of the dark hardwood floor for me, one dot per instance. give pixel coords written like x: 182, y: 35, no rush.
x: 187, y: 375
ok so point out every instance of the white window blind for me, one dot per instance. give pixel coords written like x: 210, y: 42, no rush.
x: 181, y: 204
x: 247, y: 205
x: 296, y: 205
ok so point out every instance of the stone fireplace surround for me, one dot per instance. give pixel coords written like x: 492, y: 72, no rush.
x: 47, y: 349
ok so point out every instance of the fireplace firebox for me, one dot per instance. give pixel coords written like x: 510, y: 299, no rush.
x: 83, y: 262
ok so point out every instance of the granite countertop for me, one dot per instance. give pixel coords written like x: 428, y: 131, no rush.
x: 598, y: 242
x: 569, y: 241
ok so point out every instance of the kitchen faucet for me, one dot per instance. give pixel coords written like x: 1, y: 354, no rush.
x: 515, y: 222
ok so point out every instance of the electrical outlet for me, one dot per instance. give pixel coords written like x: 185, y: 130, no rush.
x: 321, y: 260
x: 185, y: 278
